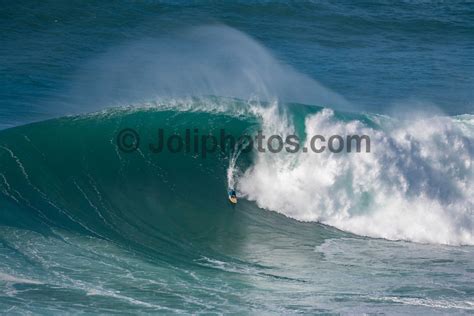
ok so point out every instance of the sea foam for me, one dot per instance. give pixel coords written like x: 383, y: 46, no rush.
x: 415, y: 184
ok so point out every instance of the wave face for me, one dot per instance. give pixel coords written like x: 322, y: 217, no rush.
x: 65, y: 206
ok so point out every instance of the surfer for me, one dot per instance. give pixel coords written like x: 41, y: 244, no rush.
x: 232, y: 196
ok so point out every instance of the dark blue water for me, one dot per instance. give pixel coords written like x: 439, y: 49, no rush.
x: 374, y: 54
x: 86, y: 228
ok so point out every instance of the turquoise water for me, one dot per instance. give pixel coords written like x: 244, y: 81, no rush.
x: 87, y: 228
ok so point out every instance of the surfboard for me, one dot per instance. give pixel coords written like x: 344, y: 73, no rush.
x: 232, y: 196
x: 233, y: 199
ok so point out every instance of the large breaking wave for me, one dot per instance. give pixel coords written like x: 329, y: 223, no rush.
x: 415, y: 184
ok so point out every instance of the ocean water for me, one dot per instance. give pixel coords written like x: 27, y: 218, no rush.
x: 88, y: 228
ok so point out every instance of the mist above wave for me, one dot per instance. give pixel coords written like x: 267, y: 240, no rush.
x: 207, y: 60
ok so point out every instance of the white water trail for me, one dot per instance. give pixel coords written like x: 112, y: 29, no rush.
x: 232, y: 171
